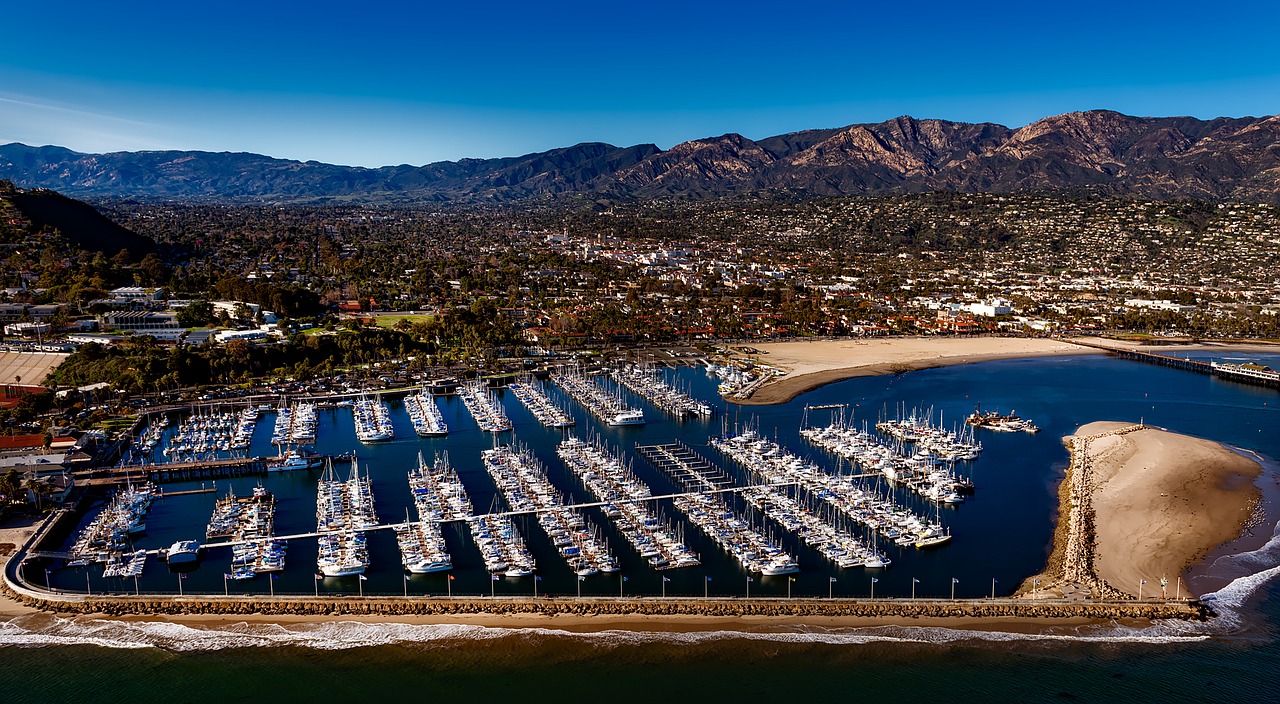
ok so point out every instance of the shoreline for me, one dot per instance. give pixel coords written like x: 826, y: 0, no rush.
x: 1139, y: 504
x: 811, y: 365
x: 603, y: 614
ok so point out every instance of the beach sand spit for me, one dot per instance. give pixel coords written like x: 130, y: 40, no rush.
x: 1140, y: 503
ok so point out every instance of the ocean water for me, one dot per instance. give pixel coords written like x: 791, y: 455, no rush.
x: 1002, y: 533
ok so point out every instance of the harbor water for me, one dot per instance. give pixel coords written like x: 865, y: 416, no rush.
x: 1001, y: 535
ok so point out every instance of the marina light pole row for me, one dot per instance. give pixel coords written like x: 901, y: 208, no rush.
x: 622, y: 580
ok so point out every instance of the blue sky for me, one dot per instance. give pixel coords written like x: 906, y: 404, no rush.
x: 373, y: 83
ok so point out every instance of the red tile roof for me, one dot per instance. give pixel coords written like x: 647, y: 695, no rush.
x: 16, y: 442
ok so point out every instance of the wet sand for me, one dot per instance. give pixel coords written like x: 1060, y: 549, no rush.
x: 1141, y: 503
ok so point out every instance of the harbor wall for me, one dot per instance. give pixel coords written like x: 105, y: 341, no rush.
x: 121, y: 605
x: 616, y: 606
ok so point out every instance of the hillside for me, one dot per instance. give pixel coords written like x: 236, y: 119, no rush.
x: 78, y: 222
x: 1099, y: 151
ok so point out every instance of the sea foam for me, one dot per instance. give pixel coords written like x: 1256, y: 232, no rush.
x: 341, y: 635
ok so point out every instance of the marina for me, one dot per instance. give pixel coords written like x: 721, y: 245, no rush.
x: 484, y: 407
x: 523, y: 483
x: 373, y: 420
x: 933, y: 441
x: 438, y: 495
x: 425, y: 415
x: 608, y: 407
x: 295, y: 425
x: 344, y: 510
x: 856, y: 501
x: 249, y: 522
x: 211, y: 435
x: 918, y: 472
x: 534, y: 398
x: 649, y: 383
x: 709, y: 511
x: 109, y: 535
x: 504, y: 550
x: 626, y: 500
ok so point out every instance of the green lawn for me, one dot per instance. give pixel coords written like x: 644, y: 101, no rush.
x: 389, y: 321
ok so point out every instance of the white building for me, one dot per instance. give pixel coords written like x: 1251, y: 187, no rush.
x: 1157, y: 305
x: 995, y: 307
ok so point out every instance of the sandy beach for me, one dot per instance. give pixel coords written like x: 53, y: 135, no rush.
x: 812, y: 364
x: 1141, y: 503
x: 1163, y: 501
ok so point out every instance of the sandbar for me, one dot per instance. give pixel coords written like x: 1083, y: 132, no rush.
x: 1141, y: 505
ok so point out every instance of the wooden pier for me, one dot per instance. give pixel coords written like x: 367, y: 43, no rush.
x: 181, y: 471
x: 1184, y: 363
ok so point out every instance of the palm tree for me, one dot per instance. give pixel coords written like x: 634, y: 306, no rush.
x: 10, y: 484
x: 37, y: 487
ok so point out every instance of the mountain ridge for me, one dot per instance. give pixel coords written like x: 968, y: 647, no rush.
x: 1223, y: 158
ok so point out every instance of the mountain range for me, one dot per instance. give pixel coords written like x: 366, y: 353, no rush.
x: 1097, y: 151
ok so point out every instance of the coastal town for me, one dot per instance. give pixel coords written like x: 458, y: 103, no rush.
x: 705, y: 351
x: 253, y: 310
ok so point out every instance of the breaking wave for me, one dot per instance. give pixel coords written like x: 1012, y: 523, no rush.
x: 44, y: 630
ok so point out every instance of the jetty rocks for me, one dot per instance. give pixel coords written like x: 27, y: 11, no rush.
x: 642, y: 606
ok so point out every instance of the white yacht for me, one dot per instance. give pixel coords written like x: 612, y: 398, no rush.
x: 294, y: 461
x: 182, y: 552
x: 628, y: 417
